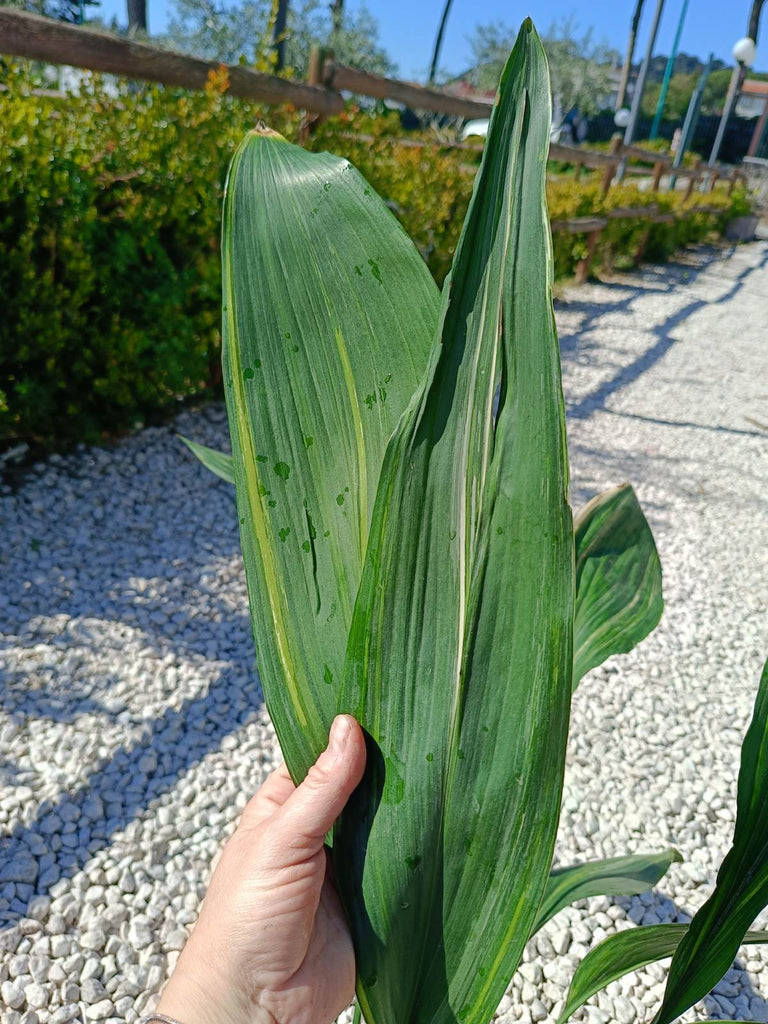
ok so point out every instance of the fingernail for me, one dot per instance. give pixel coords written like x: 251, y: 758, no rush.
x: 340, y: 730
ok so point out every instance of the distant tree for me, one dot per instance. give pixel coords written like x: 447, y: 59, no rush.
x: 715, y: 91
x: 490, y: 45
x: 73, y: 11
x: 245, y: 31
x: 681, y: 88
x: 579, y: 67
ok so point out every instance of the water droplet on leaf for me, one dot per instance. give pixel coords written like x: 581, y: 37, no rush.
x: 375, y: 270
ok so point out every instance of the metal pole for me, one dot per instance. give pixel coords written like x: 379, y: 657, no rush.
x: 668, y: 73
x: 691, y: 118
x: 639, y: 86
x: 731, y: 99
x: 627, y: 66
x: 439, y: 43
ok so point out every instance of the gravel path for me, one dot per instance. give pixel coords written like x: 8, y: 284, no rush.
x: 132, y: 733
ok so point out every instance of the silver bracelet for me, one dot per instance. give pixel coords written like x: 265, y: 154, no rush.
x: 158, y: 1018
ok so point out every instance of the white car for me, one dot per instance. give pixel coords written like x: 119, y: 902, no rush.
x: 479, y: 129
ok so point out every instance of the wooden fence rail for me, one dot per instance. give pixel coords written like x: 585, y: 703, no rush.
x: 343, y: 78
x: 29, y: 35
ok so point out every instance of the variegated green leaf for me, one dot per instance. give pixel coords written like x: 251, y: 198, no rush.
x: 618, y: 579
x: 617, y: 876
x: 460, y: 653
x: 618, y: 573
x: 218, y: 462
x: 329, y: 314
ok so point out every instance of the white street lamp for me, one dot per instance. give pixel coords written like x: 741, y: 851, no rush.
x: 744, y: 53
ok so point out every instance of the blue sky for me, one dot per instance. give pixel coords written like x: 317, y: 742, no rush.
x: 407, y: 27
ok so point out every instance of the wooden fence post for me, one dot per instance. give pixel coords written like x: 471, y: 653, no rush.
x: 315, y: 76
x: 610, y: 171
x: 582, y: 267
x: 658, y: 170
x: 692, y: 181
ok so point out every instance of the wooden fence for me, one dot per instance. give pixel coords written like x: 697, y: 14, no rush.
x: 31, y: 36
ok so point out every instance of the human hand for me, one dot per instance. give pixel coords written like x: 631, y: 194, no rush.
x: 271, y: 945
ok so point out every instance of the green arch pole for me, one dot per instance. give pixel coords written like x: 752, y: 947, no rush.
x: 668, y: 73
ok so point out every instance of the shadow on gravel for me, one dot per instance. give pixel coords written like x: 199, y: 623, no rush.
x: 144, y: 583
x: 122, y: 787
x: 719, y: 1004
x: 685, y: 423
x: 671, y: 277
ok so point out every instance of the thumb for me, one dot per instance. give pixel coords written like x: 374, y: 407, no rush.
x: 310, y: 811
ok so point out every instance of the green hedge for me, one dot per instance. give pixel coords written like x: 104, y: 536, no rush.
x: 109, y: 225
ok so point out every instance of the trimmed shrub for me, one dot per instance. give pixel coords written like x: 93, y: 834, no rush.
x: 109, y: 228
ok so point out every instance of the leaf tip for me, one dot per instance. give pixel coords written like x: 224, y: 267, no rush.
x: 262, y: 130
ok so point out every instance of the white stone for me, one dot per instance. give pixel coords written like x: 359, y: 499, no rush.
x: 13, y: 994
x: 100, y: 1011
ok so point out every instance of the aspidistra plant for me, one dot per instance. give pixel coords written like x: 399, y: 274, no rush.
x: 401, y: 472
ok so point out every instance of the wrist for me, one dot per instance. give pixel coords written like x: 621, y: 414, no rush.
x: 195, y: 994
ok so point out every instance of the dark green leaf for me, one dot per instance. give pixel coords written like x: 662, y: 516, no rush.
x: 741, y: 893
x: 618, y: 579
x: 628, y: 951
x: 460, y: 655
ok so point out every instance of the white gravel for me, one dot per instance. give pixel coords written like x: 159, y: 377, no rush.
x: 132, y: 729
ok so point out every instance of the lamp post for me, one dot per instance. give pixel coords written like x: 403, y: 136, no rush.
x: 637, y: 96
x: 689, y: 127
x: 744, y: 52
